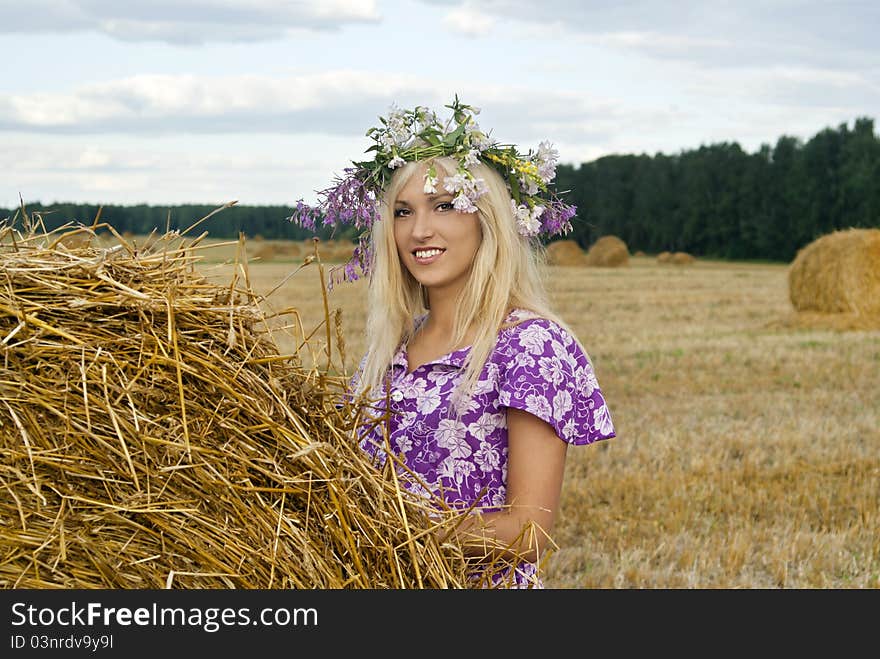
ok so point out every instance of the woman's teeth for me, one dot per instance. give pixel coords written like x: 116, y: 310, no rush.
x: 427, y: 253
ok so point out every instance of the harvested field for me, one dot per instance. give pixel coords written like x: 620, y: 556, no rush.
x: 748, y: 448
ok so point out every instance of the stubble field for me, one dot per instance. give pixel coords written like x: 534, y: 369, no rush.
x: 748, y: 441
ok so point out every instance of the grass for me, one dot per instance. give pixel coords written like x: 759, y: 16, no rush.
x: 748, y: 447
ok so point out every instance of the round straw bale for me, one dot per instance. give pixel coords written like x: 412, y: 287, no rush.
x: 565, y: 252
x: 151, y: 436
x: 608, y: 251
x: 681, y: 258
x: 342, y: 251
x: 266, y: 252
x: 292, y: 248
x: 663, y: 257
x: 838, y: 273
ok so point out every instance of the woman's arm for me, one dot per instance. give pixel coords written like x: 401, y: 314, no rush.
x: 535, y: 470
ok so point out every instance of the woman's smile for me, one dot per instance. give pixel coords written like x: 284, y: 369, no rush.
x: 428, y: 255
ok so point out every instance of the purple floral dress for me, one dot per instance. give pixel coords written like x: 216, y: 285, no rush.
x: 535, y: 366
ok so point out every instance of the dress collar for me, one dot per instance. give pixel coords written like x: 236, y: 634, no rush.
x: 456, y: 358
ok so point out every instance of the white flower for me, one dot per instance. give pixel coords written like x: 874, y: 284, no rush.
x: 396, y: 162
x: 463, y: 203
x: 551, y: 370
x: 451, y: 435
x: 545, y: 160
x: 528, y: 185
x: 471, y: 158
x: 524, y: 359
x: 455, y: 183
x: 467, y: 190
x: 430, y: 184
x: 539, y: 406
x: 602, y: 420
x: 528, y: 226
x: 484, y: 426
x: 412, y: 388
x: 404, y: 443
x: 387, y: 142
x: 487, y: 458
x: 428, y: 401
x: 533, y: 338
x: 562, y: 404
x: 585, y: 378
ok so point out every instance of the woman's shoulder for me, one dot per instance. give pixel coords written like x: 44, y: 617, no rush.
x: 530, y: 329
x: 518, y: 320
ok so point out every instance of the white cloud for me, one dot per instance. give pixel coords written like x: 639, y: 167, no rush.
x: 335, y: 102
x: 184, y: 22
x: 707, y: 33
x: 325, y: 102
x: 663, y: 45
x: 468, y: 21
x: 197, y: 169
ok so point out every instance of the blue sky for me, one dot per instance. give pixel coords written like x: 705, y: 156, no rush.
x: 263, y: 101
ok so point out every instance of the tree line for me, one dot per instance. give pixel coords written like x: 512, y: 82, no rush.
x: 720, y: 201
x: 715, y: 201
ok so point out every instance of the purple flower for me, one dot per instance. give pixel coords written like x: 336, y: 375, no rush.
x: 556, y: 218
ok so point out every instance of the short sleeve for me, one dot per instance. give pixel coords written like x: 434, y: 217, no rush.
x: 545, y: 372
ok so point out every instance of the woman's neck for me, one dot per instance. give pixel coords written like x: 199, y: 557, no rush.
x: 441, y: 316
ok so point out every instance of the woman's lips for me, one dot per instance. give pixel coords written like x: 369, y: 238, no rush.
x: 426, y: 256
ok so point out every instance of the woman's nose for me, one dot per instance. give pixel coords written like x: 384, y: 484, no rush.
x: 422, y: 226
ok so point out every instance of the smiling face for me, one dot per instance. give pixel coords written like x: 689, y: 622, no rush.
x: 436, y: 243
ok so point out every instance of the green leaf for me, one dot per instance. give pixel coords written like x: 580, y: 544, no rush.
x: 452, y: 138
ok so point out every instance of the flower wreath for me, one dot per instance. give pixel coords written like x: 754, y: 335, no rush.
x: 418, y: 134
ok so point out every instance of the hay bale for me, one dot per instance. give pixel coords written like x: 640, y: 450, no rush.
x: 663, y: 257
x: 565, y: 252
x: 341, y: 251
x: 681, y: 258
x: 266, y: 252
x: 152, y: 436
x: 608, y: 251
x: 838, y: 273
x: 292, y: 248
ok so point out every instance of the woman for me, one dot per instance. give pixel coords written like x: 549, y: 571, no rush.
x: 487, y: 387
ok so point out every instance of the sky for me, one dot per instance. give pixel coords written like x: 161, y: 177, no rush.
x: 265, y: 101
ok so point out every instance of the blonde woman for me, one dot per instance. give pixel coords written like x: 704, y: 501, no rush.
x: 487, y: 387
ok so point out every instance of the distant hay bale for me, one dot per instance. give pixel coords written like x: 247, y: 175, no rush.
x: 608, y: 251
x: 266, y: 252
x: 292, y: 248
x: 565, y: 252
x: 341, y: 251
x: 681, y: 258
x: 838, y: 273
x: 152, y: 436
x: 663, y: 257
x: 639, y: 253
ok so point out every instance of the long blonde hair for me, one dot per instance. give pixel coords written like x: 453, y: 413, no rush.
x: 505, y: 275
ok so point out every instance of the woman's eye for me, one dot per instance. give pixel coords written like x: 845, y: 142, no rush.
x: 445, y: 206
x: 400, y: 212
